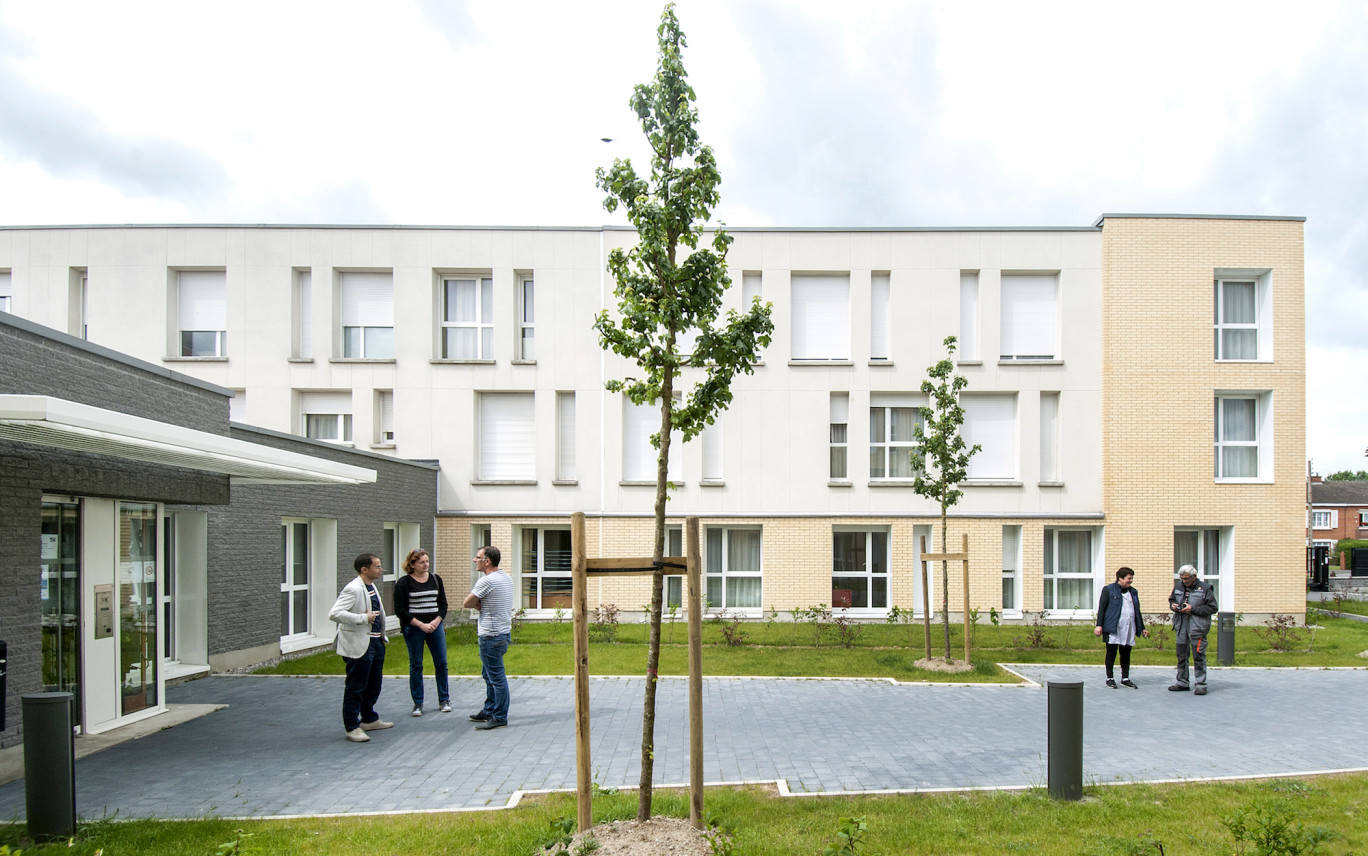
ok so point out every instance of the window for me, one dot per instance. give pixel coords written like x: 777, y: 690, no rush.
x: 468, y: 318
x: 969, y: 323
x: 304, y: 314
x: 237, y: 406
x: 76, y: 304
x: 545, y: 571
x: 6, y: 291
x: 508, y: 437
x: 893, y: 449
x: 1069, y: 569
x: 1011, y: 568
x: 820, y: 317
x: 732, y: 564
x: 1242, y: 318
x: 712, y: 452
x: 1363, y: 518
x: 1326, y: 519
x: 840, y: 423
x: 639, y: 458
x: 1201, y: 548
x: 1028, y: 316
x: 202, y: 303
x: 990, y: 422
x: 527, y: 334
x: 366, y: 305
x: 1243, y: 423
x: 878, y: 316
x: 1049, y: 437
x: 481, y: 535
x: 565, y: 437
x: 674, y: 584
x: 294, y: 579
x: 859, y: 569
x: 389, y: 557
x: 384, y: 417
x: 327, y: 415
x: 750, y: 289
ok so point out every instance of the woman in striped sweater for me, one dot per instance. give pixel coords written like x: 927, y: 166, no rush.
x: 421, y: 606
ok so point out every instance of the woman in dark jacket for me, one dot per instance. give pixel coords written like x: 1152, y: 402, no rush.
x: 421, y: 606
x: 1118, y: 615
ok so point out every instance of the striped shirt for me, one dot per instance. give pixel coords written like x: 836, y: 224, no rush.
x: 423, y: 601
x: 495, y: 591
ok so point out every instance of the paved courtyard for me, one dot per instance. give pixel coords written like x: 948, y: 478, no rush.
x: 278, y: 749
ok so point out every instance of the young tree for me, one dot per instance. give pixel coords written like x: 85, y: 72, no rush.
x: 663, y: 300
x: 947, y: 456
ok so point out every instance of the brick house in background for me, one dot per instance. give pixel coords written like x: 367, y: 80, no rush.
x: 1339, y: 509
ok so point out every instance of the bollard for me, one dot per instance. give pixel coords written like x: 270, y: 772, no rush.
x: 1066, y: 739
x: 1225, y: 638
x: 49, y: 766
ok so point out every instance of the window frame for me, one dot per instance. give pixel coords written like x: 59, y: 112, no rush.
x: 1262, y: 326
x: 541, y: 573
x: 726, y: 574
x: 214, y: 318
x: 888, y: 446
x: 1262, y: 442
x: 1052, y: 577
x: 519, y: 465
x: 838, y: 438
x: 288, y: 588
x: 1223, y: 550
x: 364, y: 341
x: 1028, y: 321
x: 871, y: 548
x: 1010, y: 431
x: 1012, y: 576
x: 1330, y: 518
x: 482, y: 323
x: 527, y: 311
x: 819, y: 321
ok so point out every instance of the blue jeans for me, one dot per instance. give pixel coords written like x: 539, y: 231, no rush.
x: 362, y: 688
x: 492, y: 650
x: 436, y: 643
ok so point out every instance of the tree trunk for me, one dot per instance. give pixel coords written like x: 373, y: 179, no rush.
x: 945, y: 588
x: 648, y: 708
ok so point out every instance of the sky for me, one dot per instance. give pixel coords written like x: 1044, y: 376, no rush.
x: 493, y: 113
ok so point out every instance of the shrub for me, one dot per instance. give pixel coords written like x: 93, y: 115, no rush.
x: 1280, y: 632
x: 1342, y: 545
x: 603, y: 625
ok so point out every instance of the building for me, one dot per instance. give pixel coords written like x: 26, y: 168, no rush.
x: 1137, y: 386
x: 1339, y: 509
x: 145, y: 538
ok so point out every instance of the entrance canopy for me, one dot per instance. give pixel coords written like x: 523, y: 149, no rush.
x: 46, y: 421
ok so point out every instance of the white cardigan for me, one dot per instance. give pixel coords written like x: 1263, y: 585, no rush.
x: 353, y: 630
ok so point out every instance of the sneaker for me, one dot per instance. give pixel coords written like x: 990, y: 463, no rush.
x: 417, y: 710
x: 479, y: 717
x: 356, y: 735
x: 1111, y: 683
x: 1177, y: 688
x: 376, y: 725
x: 446, y: 707
x: 1127, y: 682
x: 491, y: 724
x: 1201, y: 690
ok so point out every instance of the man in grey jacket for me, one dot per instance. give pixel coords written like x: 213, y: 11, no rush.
x: 1193, y: 602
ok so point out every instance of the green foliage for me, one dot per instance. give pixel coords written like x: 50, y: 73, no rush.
x: 235, y: 846
x: 662, y: 297
x: 1344, y: 545
x: 1158, y: 626
x: 847, y: 630
x: 1280, y: 632
x: 1271, y: 828
x: 1348, y: 475
x: 850, y: 833
x: 732, y: 632
x: 819, y: 616
x: 562, y: 832
x: 721, y: 839
x: 947, y: 456
x: 603, y: 623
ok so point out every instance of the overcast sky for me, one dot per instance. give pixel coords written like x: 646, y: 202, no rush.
x: 490, y: 112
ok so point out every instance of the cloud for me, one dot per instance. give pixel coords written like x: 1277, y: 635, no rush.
x: 452, y: 19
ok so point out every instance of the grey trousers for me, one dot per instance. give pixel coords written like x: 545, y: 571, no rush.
x: 1198, y: 646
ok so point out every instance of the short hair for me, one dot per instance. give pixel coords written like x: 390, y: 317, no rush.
x: 363, y: 561
x: 412, y: 559
x: 1187, y: 570
x: 1124, y: 572
x: 491, y: 553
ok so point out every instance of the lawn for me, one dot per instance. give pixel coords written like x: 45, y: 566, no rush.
x: 1358, y: 607
x: 1129, y: 819
x: 793, y: 649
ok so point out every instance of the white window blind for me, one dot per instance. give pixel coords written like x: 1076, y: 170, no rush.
x: 366, y: 299
x: 820, y: 317
x: 712, y: 452
x: 565, y: 436
x: 1028, y: 317
x: 1049, y: 436
x: 878, y: 316
x: 237, y: 406
x: 508, y: 437
x: 750, y: 289
x: 639, y: 422
x: 386, y: 397
x: 203, y: 300
x: 969, y: 338
x: 325, y: 402
x: 305, y: 313
x: 990, y: 421
x: 5, y: 291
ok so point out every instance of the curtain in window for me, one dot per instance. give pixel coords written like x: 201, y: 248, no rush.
x: 1238, y: 426
x: 1184, y: 549
x: 1238, y: 306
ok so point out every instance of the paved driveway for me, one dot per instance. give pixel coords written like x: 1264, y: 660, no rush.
x: 278, y: 748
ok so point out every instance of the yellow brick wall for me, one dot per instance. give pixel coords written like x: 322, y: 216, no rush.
x: 1160, y: 378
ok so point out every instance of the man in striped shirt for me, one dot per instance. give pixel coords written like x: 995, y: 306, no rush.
x: 493, y: 596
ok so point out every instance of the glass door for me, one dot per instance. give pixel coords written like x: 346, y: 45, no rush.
x: 61, y: 599
x: 137, y: 605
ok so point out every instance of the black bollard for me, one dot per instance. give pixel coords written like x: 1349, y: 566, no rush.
x: 49, y: 766
x: 1225, y: 638
x: 1066, y: 739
